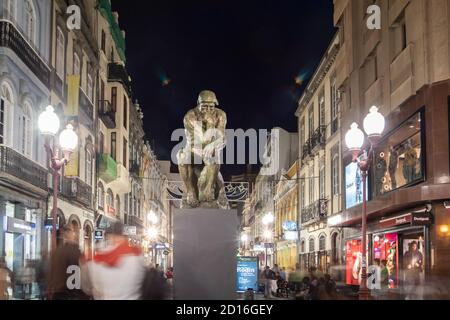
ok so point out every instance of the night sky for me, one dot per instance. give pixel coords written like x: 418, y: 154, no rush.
x: 256, y: 55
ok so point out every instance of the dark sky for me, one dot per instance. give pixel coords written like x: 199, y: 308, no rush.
x: 249, y: 52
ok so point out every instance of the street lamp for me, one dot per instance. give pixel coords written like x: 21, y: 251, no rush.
x: 374, y: 125
x: 49, y: 125
x: 152, y: 217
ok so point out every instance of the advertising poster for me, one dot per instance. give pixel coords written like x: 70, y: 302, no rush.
x: 386, y: 256
x: 413, y: 261
x: 353, y: 185
x: 353, y: 261
x: 247, y: 274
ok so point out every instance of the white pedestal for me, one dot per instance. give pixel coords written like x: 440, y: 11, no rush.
x: 205, y: 248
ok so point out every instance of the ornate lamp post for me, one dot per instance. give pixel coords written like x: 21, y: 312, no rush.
x: 267, y: 221
x: 374, y: 125
x: 49, y: 125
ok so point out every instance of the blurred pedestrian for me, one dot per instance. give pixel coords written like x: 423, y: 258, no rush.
x: 330, y: 287
x: 154, y: 286
x: 25, y: 279
x: 6, y: 280
x: 283, y: 274
x: 268, y: 276
x: 116, y: 272
x: 42, y: 274
x: 66, y: 255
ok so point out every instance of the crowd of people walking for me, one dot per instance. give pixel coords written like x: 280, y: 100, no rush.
x: 117, y: 272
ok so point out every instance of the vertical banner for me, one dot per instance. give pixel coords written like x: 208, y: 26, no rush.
x: 73, y: 95
x: 71, y: 169
x: 247, y: 274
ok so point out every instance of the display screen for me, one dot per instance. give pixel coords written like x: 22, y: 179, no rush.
x: 353, y: 261
x: 247, y: 274
x: 353, y: 185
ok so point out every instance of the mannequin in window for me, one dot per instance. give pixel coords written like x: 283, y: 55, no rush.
x: 393, y: 163
x: 410, y: 163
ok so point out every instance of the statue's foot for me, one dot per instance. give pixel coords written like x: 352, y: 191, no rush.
x: 192, y: 200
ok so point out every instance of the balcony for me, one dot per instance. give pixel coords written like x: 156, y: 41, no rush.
x: 10, y: 37
x: 78, y: 191
x: 334, y: 126
x: 135, y: 169
x: 122, y: 182
x: 306, y: 150
x: 107, y: 168
x: 14, y: 165
x: 118, y: 73
x: 318, y: 139
x: 107, y: 114
x: 316, y: 212
x: 86, y: 105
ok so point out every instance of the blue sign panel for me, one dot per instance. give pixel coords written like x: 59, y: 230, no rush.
x: 290, y: 226
x: 247, y: 274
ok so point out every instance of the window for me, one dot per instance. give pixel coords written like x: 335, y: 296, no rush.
x: 311, y: 122
x: 88, y: 168
x: 5, y: 107
x: 60, y: 52
x: 117, y: 205
x: 322, y: 109
x: 398, y: 35
x: 25, y: 130
x: 76, y: 64
x: 125, y: 111
x: 124, y: 156
x: 112, y: 54
x: 335, y: 174
x: 113, y: 145
x: 103, y: 44
x: 312, y: 246
x: 311, y: 185
x: 126, y: 203
x: 90, y: 87
x: 322, y: 243
x: 102, y: 90
x: 334, y: 107
x: 114, y: 99
x: 302, y: 192
x: 101, y: 141
x: 100, y: 196
x: 369, y: 72
x: 30, y: 21
x: 322, y: 178
x: 110, y: 199
x: 302, y: 247
x: 11, y: 9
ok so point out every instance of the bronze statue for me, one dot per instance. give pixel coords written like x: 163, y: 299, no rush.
x: 199, y: 161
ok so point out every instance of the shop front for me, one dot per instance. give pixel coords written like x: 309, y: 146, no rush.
x: 399, y: 247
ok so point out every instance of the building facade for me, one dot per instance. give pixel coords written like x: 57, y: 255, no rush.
x: 25, y: 69
x: 320, y: 165
x: 404, y: 70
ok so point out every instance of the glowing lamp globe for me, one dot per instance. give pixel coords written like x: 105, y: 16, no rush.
x: 68, y: 139
x: 268, y: 219
x: 152, y: 217
x: 268, y: 234
x: 354, y: 138
x: 374, y: 123
x: 152, y: 233
x: 244, y: 238
x: 48, y: 122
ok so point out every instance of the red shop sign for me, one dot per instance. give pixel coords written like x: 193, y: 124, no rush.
x: 396, y: 221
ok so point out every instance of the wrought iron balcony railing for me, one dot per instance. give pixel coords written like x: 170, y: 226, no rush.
x: 12, y: 38
x: 334, y: 126
x: 15, y: 164
x: 318, y: 139
x: 86, y: 105
x: 107, y: 114
x: 117, y: 72
x: 306, y: 150
x: 315, y: 212
x: 135, y: 168
x: 77, y: 190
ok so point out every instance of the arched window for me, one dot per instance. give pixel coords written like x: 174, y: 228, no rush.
x: 302, y: 246
x: 101, y: 196
x: 117, y: 205
x: 312, y: 246
x: 322, y: 243
x: 6, y: 105
x: 334, y: 248
x: 60, y: 52
x: 26, y: 130
x: 30, y: 21
x: 88, y: 167
x: 11, y: 10
x: 110, y: 199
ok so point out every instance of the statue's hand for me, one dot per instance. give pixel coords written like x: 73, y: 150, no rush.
x: 208, y: 151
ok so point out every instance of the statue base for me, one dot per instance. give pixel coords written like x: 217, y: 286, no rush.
x: 205, y: 247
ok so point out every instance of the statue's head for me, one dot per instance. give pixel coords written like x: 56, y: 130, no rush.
x: 207, y: 101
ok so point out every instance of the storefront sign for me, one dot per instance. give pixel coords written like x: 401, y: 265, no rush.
x: 247, y: 274
x: 290, y: 226
x: 396, y: 221
x: 258, y: 247
x: 99, y: 234
x: 421, y: 219
x: 130, y: 230
x: 159, y: 246
x: 20, y: 226
x: 291, y: 235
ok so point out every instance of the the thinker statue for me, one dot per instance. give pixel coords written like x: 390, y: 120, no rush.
x: 199, y: 161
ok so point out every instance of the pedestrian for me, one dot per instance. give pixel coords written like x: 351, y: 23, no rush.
x: 42, y: 274
x: 268, y: 276
x: 116, y: 272
x: 25, y: 279
x: 155, y: 286
x: 66, y: 256
x: 6, y: 280
x: 330, y: 287
x: 283, y: 274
